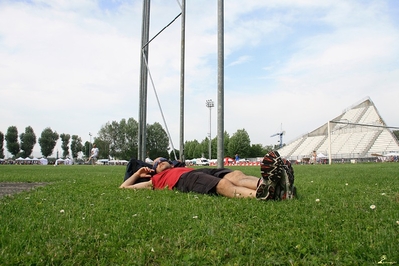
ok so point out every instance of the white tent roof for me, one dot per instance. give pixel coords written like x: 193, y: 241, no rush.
x: 346, y: 140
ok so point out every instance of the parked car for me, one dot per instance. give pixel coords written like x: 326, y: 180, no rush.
x: 201, y: 161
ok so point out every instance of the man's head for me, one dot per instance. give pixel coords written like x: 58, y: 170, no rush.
x: 161, y: 164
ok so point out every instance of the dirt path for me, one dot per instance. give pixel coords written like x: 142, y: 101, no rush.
x: 8, y: 188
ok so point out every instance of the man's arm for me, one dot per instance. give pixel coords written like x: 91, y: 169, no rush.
x: 143, y: 172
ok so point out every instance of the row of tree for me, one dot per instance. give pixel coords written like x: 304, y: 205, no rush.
x: 120, y: 140
x: 47, y: 141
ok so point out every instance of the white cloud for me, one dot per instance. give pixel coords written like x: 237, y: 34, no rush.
x: 74, y: 65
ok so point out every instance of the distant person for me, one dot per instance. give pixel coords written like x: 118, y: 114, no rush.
x: 314, y: 157
x: 237, y: 158
x: 218, y: 181
x: 94, y: 154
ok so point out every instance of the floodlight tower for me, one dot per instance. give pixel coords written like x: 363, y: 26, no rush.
x: 210, y: 104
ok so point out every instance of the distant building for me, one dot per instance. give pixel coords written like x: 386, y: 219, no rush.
x: 359, y: 133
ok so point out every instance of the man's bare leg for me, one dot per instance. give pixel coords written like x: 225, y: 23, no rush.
x: 226, y: 188
x: 240, y: 179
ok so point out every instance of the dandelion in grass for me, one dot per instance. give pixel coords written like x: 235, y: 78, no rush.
x: 195, y: 217
x: 372, y: 207
x: 346, y: 184
x: 397, y: 222
x: 62, y: 211
x: 317, y: 200
x: 383, y: 194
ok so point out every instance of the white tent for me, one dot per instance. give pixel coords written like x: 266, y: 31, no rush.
x: 58, y: 161
x: 43, y: 161
x: 321, y: 155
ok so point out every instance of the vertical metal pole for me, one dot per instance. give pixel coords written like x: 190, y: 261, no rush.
x: 182, y: 59
x: 210, y: 133
x: 142, y: 130
x: 220, y: 149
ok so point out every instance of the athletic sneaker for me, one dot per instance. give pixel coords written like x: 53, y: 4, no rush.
x: 286, y: 189
x: 265, y: 190
x: 271, y: 170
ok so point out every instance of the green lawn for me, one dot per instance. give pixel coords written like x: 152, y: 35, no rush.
x: 82, y: 218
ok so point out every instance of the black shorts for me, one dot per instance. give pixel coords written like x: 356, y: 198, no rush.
x: 202, y: 181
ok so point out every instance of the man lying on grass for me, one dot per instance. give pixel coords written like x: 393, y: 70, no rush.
x: 277, y: 175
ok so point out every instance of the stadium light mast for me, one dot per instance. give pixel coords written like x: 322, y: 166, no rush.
x: 210, y: 104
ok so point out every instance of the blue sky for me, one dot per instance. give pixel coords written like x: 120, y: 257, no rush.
x: 74, y: 65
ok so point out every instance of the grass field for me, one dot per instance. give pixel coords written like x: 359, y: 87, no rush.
x: 345, y: 215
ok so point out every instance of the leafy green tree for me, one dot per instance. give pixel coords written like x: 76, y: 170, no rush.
x: 239, y: 144
x: 172, y: 154
x: 193, y: 149
x: 226, y: 143
x: 157, y: 141
x: 28, y: 141
x: 12, y: 140
x: 128, y: 131
x: 76, y: 146
x: 187, y: 149
x: 65, y: 144
x: 87, y: 148
x: 257, y: 150
x: 103, y: 148
x: 47, y: 141
x: 109, y: 134
x: 198, y: 151
x: 204, y: 148
x: 1, y: 145
x: 214, y: 146
x: 121, y: 138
